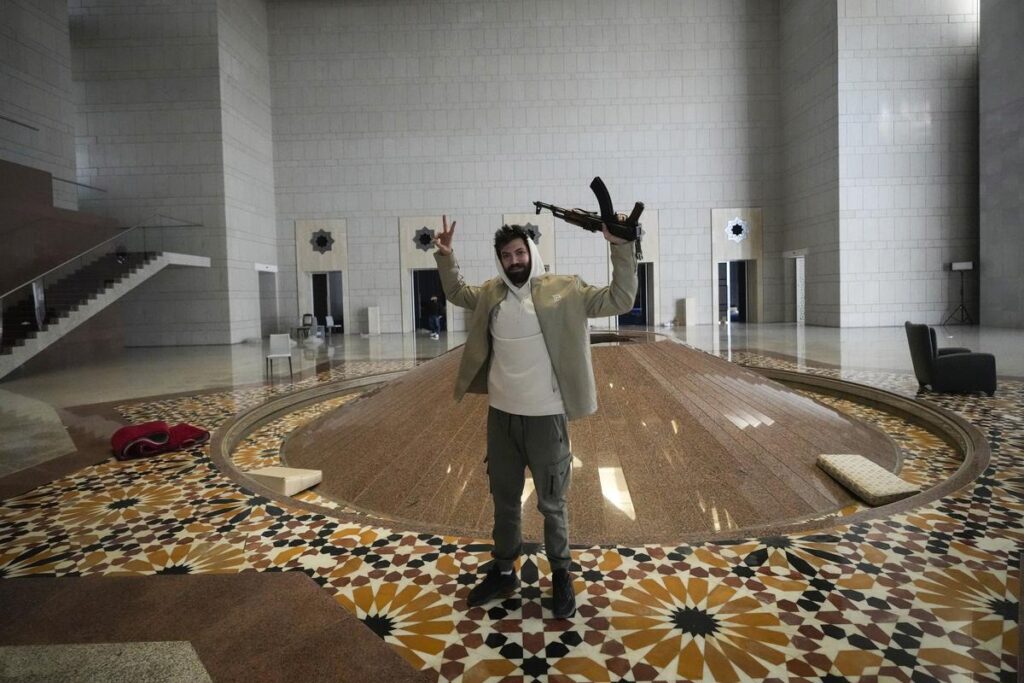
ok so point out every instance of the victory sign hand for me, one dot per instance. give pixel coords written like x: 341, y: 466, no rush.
x: 444, y: 240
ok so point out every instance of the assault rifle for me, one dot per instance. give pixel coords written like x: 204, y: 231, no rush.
x: 619, y: 224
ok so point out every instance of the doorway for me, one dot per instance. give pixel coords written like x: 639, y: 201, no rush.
x: 268, y: 302
x: 327, y: 298
x: 426, y: 283
x: 732, y: 292
x: 642, y: 312
x: 800, y: 289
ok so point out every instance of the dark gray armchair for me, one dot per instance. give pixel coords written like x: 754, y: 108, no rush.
x: 950, y: 370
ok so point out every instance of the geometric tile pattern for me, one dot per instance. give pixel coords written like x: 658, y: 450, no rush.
x: 262, y: 447
x: 928, y: 594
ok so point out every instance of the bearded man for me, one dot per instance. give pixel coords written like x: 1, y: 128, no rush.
x: 528, y: 349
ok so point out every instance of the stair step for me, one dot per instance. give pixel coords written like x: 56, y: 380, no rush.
x: 71, y: 295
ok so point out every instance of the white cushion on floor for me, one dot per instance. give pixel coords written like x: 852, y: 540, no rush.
x: 872, y: 483
x: 286, y: 481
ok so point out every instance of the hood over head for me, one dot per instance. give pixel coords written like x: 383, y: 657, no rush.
x: 536, y: 269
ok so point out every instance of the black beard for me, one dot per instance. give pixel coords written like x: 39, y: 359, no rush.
x: 518, y: 277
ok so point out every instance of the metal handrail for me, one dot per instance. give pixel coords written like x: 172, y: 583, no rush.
x: 119, y: 235
x: 75, y: 182
x: 19, y: 123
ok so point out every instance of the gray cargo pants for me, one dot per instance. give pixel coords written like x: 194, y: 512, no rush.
x: 515, y: 442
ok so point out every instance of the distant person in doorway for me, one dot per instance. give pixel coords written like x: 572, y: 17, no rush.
x: 435, y: 313
x: 528, y: 348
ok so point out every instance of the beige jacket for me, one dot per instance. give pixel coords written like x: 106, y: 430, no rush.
x: 563, y: 304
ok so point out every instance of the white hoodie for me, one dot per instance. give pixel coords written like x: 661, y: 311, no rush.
x: 521, y: 380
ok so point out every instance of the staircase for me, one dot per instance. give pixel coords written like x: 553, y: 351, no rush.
x: 75, y: 298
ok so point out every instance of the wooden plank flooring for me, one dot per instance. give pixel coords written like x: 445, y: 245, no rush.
x: 702, y: 446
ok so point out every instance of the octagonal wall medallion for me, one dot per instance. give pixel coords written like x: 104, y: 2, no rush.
x: 737, y: 230
x: 534, y: 232
x: 424, y: 238
x: 322, y: 241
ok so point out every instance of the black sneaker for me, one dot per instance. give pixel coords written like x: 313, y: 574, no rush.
x: 494, y: 585
x: 564, y: 602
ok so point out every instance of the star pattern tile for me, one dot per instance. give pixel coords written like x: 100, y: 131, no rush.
x: 932, y: 593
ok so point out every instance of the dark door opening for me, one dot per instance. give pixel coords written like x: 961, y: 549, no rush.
x: 426, y: 283
x: 641, y: 313
x: 723, y: 292
x: 327, y: 299
x: 738, y: 291
x: 319, y: 297
x: 268, y: 302
x: 732, y: 291
x: 335, y: 302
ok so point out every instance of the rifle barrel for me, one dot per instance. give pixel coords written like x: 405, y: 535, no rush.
x: 557, y: 211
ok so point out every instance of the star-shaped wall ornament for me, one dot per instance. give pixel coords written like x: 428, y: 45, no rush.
x: 737, y: 230
x: 533, y: 231
x: 322, y: 241
x: 424, y: 238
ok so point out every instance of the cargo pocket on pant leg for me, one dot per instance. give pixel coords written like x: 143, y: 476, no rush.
x: 559, y: 477
x: 487, y: 473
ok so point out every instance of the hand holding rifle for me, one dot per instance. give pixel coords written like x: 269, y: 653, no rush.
x: 616, y: 227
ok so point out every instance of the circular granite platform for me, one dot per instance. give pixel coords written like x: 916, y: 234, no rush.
x: 683, y: 443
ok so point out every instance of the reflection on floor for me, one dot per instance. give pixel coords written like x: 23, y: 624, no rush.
x: 932, y: 592
x: 685, y: 445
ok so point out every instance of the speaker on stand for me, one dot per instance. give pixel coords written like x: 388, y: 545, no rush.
x: 960, y: 314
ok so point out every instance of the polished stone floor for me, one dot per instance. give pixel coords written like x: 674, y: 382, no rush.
x: 138, y: 372
x: 929, y: 593
x: 685, y: 444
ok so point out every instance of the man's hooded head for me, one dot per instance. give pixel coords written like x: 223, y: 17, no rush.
x: 517, y: 256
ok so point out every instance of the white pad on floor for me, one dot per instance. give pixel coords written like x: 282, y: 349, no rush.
x: 872, y: 483
x: 286, y: 481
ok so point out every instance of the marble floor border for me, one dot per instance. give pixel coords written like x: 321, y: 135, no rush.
x: 224, y: 440
x: 270, y: 624
x: 824, y: 365
x: 955, y: 430
x: 961, y: 434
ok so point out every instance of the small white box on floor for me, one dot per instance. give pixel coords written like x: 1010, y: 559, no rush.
x: 373, y: 320
x: 286, y: 481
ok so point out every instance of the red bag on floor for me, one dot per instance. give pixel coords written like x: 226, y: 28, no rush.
x: 138, y: 441
x: 153, y: 438
x: 185, y: 436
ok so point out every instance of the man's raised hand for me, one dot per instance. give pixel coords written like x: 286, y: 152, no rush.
x: 609, y: 236
x: 444, y: 240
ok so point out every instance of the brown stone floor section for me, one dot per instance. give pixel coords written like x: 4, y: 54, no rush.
x: 703, y: 446
x: 245, y: 627
x: 90, y: 449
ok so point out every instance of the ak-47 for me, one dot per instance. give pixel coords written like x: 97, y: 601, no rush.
x: 622, y: 226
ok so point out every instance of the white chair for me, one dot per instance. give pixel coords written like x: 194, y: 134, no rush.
x: 280, y: 347
x: 329, y: 325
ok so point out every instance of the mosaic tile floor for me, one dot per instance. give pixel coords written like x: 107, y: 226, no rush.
x: 932, y: 593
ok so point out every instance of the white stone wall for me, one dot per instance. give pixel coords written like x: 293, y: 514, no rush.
x: 1001, y: 97
x: 248, y: 158
x: 477, y: 108
x: 149, y: 131
x: 809, y: 165
x: 35, y: 90
x: 908, y: 149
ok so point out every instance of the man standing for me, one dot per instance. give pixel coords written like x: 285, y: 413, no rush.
x: 528, y: 348
x: 432, y: 308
